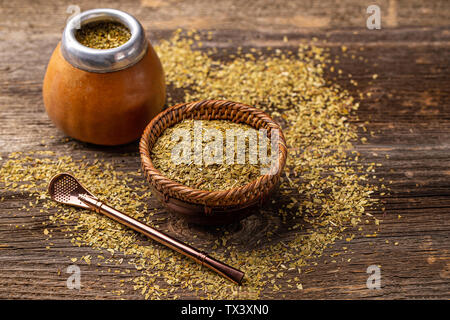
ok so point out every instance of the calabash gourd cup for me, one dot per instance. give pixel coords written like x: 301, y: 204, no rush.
x: 211, y: 207
x: 104, y: 96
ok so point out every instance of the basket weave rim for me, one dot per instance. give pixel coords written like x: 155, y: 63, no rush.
x: 198, y: 196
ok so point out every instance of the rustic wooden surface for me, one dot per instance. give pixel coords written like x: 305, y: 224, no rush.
x: 409, y: 112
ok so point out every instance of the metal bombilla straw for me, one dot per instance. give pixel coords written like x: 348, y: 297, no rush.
x: 106, y: 60
x: 64, y: 188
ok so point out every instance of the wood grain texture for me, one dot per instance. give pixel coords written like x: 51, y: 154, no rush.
x: 408, y: 112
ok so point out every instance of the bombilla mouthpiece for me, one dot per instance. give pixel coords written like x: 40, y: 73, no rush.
x: 103, y: 60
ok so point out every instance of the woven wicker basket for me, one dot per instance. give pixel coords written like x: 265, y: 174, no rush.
x: 201, y: 206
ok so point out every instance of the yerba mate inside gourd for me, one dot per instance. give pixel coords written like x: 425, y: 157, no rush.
x: 212, y: 154
x: 103, y: 35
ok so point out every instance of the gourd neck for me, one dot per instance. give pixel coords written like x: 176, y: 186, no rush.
x: 103, y: 60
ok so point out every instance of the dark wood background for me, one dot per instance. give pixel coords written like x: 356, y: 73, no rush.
x: 408, y: 111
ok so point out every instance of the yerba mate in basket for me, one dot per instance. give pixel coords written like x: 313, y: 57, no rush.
x: 212, y: 200
x: 212, y: 154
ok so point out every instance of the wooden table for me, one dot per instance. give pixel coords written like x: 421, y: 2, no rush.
x: 409, y: 112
